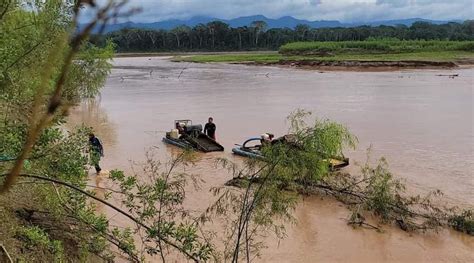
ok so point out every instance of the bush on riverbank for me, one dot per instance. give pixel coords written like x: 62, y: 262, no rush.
x: 44, y: 70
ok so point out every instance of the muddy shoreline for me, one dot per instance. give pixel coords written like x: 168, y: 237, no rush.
x: 363, y: 65
x: 326, y: 65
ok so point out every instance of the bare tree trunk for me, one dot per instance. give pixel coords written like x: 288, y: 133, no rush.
x: 177, y: 40
x: 153, y: 41
x: 256, y: 38
x: 240, y: 40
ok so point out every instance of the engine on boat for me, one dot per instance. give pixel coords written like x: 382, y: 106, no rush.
x: 186, y: 135
x: 193, y: 129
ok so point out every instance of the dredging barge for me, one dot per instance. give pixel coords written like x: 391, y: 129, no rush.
x: 189, y: 136
x: 251, y: 148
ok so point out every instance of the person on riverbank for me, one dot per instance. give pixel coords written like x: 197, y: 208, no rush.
x: 210, y: 128
x: 96, y: 151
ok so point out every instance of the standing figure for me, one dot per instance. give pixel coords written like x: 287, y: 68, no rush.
x: 210, y: 128
x: 96, y: 151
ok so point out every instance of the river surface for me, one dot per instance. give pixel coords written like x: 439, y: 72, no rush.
x: 420, y: 122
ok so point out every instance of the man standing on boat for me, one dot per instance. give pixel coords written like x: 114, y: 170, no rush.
x: 210, y: 128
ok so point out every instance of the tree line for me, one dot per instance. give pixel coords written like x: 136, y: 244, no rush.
x: 219, y: 36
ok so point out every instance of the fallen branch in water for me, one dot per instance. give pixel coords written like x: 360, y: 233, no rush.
x: 381, y: 195
x: 448, y: 75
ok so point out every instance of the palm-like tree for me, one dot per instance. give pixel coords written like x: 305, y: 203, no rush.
x: 259, y: 27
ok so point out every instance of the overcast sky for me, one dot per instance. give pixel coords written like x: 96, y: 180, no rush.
x: 342, y: 10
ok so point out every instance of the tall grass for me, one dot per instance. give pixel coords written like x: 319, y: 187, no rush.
x: 377, y: 46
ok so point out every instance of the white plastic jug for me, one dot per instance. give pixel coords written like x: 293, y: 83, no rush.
x: 174, y: 134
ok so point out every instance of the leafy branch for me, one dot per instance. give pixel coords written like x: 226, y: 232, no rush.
x: 38, y: 123
x: 129, y: 216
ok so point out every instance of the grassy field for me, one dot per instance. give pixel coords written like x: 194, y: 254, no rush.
x: 275, y: 58
x: 226, y: 57
x: 372, y: 50
x: 377, y: 46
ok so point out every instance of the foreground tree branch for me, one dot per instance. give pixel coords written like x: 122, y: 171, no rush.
x: 38, y: 123
x: 138, y: 222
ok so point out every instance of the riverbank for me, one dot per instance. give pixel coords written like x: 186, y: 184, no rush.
x: 443, y: 59
x: 29, y: 232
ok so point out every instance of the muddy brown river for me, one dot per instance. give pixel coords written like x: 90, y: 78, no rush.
x: 421, y: 122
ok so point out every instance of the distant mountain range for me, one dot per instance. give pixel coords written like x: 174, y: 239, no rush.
x: 286, y: 21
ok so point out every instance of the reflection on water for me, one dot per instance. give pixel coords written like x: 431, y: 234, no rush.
x: 423, y: 124
x: 90, y: 114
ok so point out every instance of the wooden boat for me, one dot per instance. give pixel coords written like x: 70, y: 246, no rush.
x: 191, y: 137
x: 251, y: 149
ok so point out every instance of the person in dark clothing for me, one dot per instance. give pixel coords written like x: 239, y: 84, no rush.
x: 210, y: 128
x: 96, y: 151
x: 180, y: 128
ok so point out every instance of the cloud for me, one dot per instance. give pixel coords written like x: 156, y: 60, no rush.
x: 397, y: 3
x: 315, y: 2
x: 342, y: 10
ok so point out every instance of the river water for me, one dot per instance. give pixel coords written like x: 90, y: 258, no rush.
x: 420, y: 122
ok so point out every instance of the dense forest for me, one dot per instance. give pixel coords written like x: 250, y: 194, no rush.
x: 218, y: 36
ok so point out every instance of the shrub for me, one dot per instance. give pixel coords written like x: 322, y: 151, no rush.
x: 34, y: 236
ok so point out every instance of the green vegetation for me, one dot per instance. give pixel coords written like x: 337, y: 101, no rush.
x: 295, y: 168
x: 35, y: 236
x: 156, y: 204
x: 376, y: 46
x: 370, y: 50
x: 277, y: 58
x: 266, y: 203
x: 46, y: 208
x: 463, y: 222
x: 236, y: 58
x: 219, y: 36
x: 44, y: 70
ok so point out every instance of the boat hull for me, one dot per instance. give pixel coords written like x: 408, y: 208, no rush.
x: 177, y: 142
x: 244, y: 153
x: 333, y: 163
x: 202, y: 143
